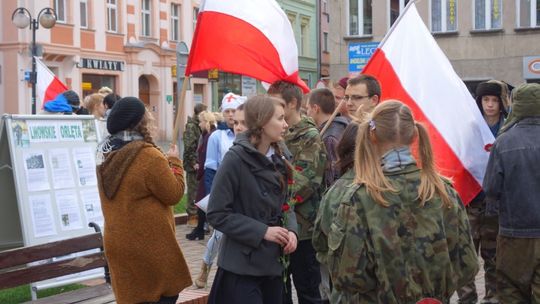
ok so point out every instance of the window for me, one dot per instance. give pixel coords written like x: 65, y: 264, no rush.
x: 84, y: 13
x: 396, y: 7
x: 487, y: 14
x: 195, y: 15
x: 325, y: 42
x: 60, y: 9
x: 112, y: 16
x: 146, y: 20
x: 528, y: 13
x: 443, y: 15
x: 175, y: 22
x: 360, y: 17
x: 304, y: 36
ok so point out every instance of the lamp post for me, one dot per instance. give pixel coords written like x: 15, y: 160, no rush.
x: 22, y: 18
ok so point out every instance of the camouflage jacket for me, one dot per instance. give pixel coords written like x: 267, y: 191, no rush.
x: 191, y: 141
x: 309, y: 160
x: 341, y: 190
x: 400, y: 253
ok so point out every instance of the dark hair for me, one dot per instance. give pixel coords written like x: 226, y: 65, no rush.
x: 345, y: 148
x: 110, y: 99
x: 240, y: 108
x: 372, y: 84
x: 199, y: 108
x: 324, y: 98
x: 82, y: 111
x: 288, y: 92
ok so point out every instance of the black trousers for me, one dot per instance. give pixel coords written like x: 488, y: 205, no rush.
x: 229, y: 288
x: 306, y: 273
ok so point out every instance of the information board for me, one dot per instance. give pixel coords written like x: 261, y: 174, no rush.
x: 48, y: 181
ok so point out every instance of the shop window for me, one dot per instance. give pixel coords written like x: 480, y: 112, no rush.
x: 91, y: 83
x: 229, y: 83
x: 443, y: 16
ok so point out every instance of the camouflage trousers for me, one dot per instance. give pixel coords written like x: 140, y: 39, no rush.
x: 484, y: 231
x: 518, y: 270
x: 191, y: 182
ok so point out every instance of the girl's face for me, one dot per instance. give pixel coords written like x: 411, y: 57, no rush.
x: 202, y: 124
x: 274, y: 129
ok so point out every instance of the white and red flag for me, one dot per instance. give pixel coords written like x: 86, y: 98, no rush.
x: 247, y: 37
x: 48, y: 85
x: 413, y: 69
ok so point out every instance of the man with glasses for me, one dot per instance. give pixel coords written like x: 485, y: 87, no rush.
x: 362, y: 91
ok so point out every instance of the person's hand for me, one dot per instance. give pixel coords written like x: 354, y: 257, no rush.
x: 291, y: 245
x: 173, y: 151
x: 277, y: 235
x: 196, y: 167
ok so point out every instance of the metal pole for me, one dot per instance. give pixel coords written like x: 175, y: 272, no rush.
x: 33, y: 77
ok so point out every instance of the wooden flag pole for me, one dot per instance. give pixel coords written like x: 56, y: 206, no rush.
x: 329, y: 122
x: 178, y: 126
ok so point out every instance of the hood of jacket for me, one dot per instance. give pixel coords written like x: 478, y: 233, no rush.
x: 111, y: 172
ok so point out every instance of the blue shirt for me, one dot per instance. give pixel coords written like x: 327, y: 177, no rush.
x: 219, y: 143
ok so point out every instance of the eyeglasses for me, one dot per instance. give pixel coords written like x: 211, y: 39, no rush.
x: 355, y: 97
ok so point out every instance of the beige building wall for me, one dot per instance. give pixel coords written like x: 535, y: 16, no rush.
x: 67, y: 44
x: 475, y: 54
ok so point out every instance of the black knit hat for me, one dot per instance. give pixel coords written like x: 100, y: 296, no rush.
x: 125, y: 114
x: 72, y: 98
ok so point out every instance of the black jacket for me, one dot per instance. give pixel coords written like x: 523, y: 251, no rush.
x: 247, y: 196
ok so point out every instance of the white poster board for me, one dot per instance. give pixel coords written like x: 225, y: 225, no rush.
x: 48, y: 182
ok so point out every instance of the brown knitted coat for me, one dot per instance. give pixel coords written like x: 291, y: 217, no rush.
x: 138, y: 189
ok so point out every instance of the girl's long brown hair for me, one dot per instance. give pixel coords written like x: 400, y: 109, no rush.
x: 392, y: 124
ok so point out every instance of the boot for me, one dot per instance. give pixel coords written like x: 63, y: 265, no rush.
x: 200, y: 282
x: 195, y: 234
x: 192, y: 221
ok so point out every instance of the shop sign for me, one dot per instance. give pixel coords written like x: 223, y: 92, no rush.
x: 87, y: 86
x: 249, y: 86
x: 173, y: 71
x: 99, y: 64
x: 531, y: 67
x: 213, y: 74
x: 359, y: 54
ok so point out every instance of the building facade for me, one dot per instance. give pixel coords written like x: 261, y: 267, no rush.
x: 484, y: 39
x: 303, y: 17
x: 127, y: 45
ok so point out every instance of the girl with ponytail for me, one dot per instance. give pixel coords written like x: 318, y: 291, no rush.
x: 401, y: 234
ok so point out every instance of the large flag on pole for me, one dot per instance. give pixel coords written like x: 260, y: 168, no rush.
x: 412, y: 68
x: 48, y: 85
x: 248, y: 37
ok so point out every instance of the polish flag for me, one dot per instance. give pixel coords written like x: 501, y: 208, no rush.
x: 247, y: 37
x: 413, y: 69
x: 48, y: 85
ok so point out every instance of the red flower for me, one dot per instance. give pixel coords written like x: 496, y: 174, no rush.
x: 298, y: 198
x: 298, y: 168
x: 488, y: 147
x: 285, y: 207
x: 290, y: 181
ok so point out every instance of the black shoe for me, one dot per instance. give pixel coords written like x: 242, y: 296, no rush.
x: 195, y: 235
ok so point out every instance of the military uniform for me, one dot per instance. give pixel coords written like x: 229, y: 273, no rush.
x: 309, y: 160
x: 484, y: 230
x: 191, y: 141
x: 400, y: 253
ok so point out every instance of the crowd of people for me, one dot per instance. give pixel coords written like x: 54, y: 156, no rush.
x: 334, y: 191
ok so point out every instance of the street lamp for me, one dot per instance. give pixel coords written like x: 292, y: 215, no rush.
x: 22, y: 18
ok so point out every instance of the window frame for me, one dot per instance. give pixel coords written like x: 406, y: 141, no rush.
x: 112, y: 7
x: 61, y: 16
x: 532, y: 18
x: 487, y: 16
x: 444, y: 17
x: 85, y: 14
x: 361, y: 19
x: 175, y: 28
x: 146, y: 12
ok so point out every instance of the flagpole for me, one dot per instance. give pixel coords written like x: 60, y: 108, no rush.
x: 180, y: 110
x: 397, y: 21
x: 329, y: 122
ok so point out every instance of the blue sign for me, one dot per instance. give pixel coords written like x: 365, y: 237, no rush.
x: 359, y: 54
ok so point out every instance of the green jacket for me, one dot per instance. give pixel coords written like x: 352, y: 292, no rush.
x: 400, y: 253
x: 309, y: 160
x: 191, y: 141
